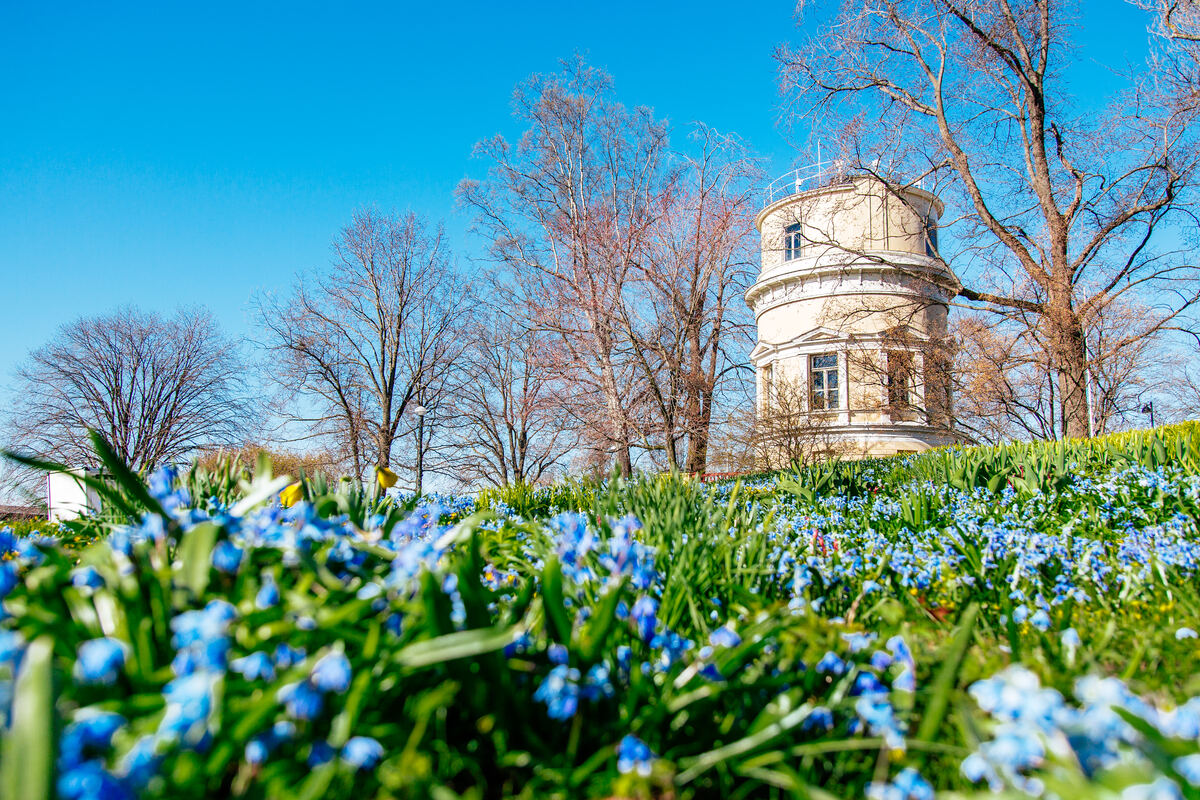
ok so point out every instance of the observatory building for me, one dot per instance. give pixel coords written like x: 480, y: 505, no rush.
x: 851, y: 307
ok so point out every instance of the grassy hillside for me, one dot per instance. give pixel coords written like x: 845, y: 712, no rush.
x: 1020, y: 619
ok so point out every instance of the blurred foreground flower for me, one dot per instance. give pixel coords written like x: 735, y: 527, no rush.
x: 387, y: 479
x: 291, y: 495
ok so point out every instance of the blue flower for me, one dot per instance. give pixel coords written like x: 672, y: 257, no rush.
x: 831, y: 663
x: 301, y: 700
x: 140, y: 764
x: 189, y: 706
x: 254, y: 666
x: 724, y: 637
x: 819, y: 718
x: 1185, y: 633
x: 8, y: 578
x: 100, y: 661
x: 858, y: 641
x: 286, y: 655
x: 1189, y: 768
x: 907, y: 785
x: 1040, y: 620
x: 557, y: 654
x: 362, y: 752
x: 268, y: 594
x: 1070, y: 638
x: 92, y: 731
x: 634, y: 755
x: 560, y: 692
x: 91, y: 781
x: 331, y: 673
x: 644, y: 611
x: 227, y: 557
x: 320, y: 753
x: 85, y: 578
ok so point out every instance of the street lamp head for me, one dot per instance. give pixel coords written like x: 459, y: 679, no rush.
x: 420, y: 411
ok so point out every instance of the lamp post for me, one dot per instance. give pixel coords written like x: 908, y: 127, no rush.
x: 1149, y: 409
x: 420, y: 411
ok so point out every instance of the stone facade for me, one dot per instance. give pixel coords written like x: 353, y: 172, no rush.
x: 851, y: 308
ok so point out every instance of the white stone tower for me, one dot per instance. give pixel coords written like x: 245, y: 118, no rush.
x: 851, y: 307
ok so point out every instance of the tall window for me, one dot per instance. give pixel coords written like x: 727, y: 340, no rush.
x: 768, y: 384
x: 931, y: 242
x: 792, y: 241
x: 899, y: 379
x: 823, y: 378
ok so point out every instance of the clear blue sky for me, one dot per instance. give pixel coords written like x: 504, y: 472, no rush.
x: 170, y: 153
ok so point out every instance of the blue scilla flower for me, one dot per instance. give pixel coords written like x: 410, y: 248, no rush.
x: 301, y: 700
x: 1185, y: 633
x: 86, y: 578
x: 831, y: 663
x: 227, y: 557
x: 1189, y: 768
x: 724, y: 637
x: 286, y: 655
x: 598, y: 683
x: 644, y: 617
x: 202, y: 626
x: 362, y: 752
x: 268, y: 593
x: 1070, y: 638
x: 820, y: 718
x: 140, y: 764
x: 907, y: 785
x: 8, y: 578
x: 256, y: 751
x: 12, y: 645
x: 99, y: 661
x: 634, y: 756
x: 1040, y: 620
x: 906, y: 681
x: 858, y: 641
x: 189, y: 706
x: 320, y: 753
x: 254, y: 667
x: 560, y: 692
x: 91, y: 781
x: 1161, y: 789
x: 331, y: 673
x: 8, y: 542
x: 880, y: 719
x: 90, y: 734
x: 557, y: 653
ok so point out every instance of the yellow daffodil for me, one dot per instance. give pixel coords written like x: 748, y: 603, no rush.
x: 291, y: 495
x: 387, y: 479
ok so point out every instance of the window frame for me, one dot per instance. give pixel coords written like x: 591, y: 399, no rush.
x: 793, y: 241
x: 901, y: 364
x: 819, y: 398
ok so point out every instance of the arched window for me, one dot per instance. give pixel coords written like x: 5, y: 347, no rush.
x: 792, y: 242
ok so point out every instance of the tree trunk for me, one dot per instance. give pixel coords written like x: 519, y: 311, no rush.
x: 1069, y: 354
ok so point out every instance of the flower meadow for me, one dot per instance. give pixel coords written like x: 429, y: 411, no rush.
x: 1017, y: 621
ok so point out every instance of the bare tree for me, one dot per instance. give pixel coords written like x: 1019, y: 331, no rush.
x: 157, y: 388
x: 508, y: 418
x: 683, y: 314
x: 359, y: 343
x: 1065, y: 212
x: 566, y: 210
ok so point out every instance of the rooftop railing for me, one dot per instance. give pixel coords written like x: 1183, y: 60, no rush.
x: 802, y: 179
x: 816, y: 176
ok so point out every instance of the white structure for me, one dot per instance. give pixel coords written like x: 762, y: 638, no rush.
x: 67, y: 497
x: 851, y: 307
